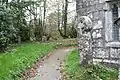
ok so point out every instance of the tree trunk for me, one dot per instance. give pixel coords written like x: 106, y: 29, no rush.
x: 44, y: 26
x: 40, y: 23
x: 63, y: 32
x: 65, y: 18
x: 58, y: 17
x: 60, y: 30
x: 31, y: 26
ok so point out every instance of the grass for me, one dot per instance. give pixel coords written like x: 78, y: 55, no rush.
x: 93, y: 72
x: 65, y: 43
x: 23, y: 56
x: 18, y: 59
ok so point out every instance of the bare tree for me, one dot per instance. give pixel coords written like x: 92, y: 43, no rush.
x: 64, y: 19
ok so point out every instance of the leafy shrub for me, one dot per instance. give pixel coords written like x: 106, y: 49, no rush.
x: 7, y: 31
x: 72, y: 32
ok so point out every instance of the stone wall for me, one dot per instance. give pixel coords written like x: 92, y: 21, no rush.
x: 95, y: 10
x: 92, y: 8
x: 104, y: 49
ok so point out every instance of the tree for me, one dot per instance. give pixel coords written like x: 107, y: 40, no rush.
x: 13, y: 24
x: 44, y: 14
x: 64, y: 19
x: 7, y: 30
x: 25, y: 22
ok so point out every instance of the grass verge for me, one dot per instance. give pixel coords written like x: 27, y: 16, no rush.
x: 18, y: 59
x: 93, y: 72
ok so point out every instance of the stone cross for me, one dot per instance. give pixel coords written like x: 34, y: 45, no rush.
x: 85, y: 39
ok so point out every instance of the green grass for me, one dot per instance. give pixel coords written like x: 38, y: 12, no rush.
x: 18, y: 59
x: 65, y: 43
x: 93, y: 72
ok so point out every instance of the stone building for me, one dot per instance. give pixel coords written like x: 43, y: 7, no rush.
x: 105, y: 32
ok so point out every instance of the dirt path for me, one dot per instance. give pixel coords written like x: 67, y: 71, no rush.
x: 50, y: 67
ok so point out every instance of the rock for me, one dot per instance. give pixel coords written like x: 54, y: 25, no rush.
x: 44, y: 39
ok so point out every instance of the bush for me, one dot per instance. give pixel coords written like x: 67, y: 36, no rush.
x: 7, y: 31
x: 72, y: 32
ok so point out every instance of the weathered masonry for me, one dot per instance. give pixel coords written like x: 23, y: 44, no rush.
x: 106, y: 29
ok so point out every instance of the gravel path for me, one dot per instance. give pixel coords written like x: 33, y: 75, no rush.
x: 50, y: 68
